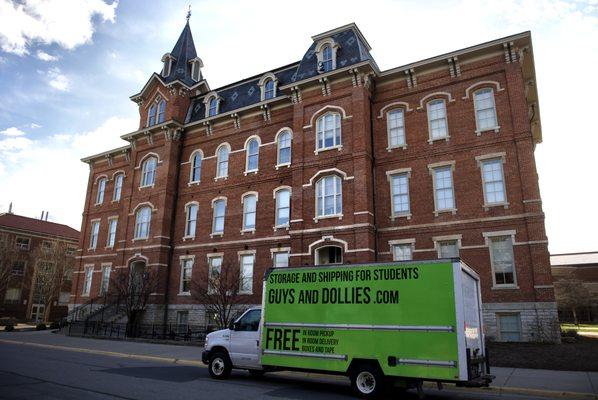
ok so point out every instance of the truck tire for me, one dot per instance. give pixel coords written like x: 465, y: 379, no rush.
x: 367, y: 381
x: 220, y: 366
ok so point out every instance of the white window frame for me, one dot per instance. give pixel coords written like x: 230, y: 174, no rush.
x: 139, y: 224
x: 488, y: 240
x: 214, y: 216
x: 321, y: 129
x: 87, y: 280
x: 263, y: 83
x: 211, y: 266
x: 19, y: 246
x: 337, y: 193
x: 242, y: 256
x: 317, y: 254
x: 219, y: 161
x: 193, y: 166
x: 447, y: 238
x: 151, y: 114
x: 94, y: 234
x: 111, y: 239
x: 278, y: 251
x: 432, y: 168
x: 319, y: 50
x: 145, y: 172
x: 189, y: 221
x: 244, y: 197
x: 119, y: 180
x: 431, y: 138
x: 496, y: 127
x: 406, y: 172
x: 184, y: 260
x: 277, y: 206
x: 279, y: 135
x: 499, y: 327
x: 101, y: 190
x: 207, y: 103
x: 248, y: 142
x: 161, y: 112
x: 401, y: 242
x: 105, y: 281
x: 402, y: 145
x: 482, y: 161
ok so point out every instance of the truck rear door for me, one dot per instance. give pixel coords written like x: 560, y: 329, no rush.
x: 474, y: 339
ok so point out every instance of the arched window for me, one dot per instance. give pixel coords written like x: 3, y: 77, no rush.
x: 329, y: 197
x: 118, y: 187
x: 196, y: 167
x: 283, y: 207
x: 218, y: 219
x: 284, y: 148
x: 222, y: 156
x: 485, y: 110
x: 327, y: 58
x: 101, y: 191
x: 152, y: 115
x: 329, y: 255
x: 143, y: 219
x: 249, y: 212
x: 269, y: 89
x: 191, y: 219
x: 395, y: 125
x: 328, y: 128
x: 213, y: 107
x: 148, y: 171
x: 437, y: 119
x: 161, y: 110
x: 253, y: 154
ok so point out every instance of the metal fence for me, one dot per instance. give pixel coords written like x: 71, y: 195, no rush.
x: 171, y: 332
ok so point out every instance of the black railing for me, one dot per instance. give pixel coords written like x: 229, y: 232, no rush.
x: 172, y: 332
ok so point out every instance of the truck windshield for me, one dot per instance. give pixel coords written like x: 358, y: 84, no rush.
x: 249, y: 321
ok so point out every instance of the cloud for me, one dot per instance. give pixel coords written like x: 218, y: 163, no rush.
x: 50, y: 21
x: 33, y: 125
x: 42, y: 55
x: 58, y: 80
x: 47, y: 173
x: 12, y: 131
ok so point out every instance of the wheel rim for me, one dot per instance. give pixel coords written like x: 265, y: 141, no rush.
x: 217, y: 366
x: 366, y: 382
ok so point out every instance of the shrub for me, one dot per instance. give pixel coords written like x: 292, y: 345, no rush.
x: 55, y: 325
x: 9, y: 328
x: 40, y: 327
x: 5, y: 321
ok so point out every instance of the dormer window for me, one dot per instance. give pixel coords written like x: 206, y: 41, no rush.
x: 268, y: 84
x: 167, y: 59
x: 326, y: 51
x: 213, y: 110
x: 196, y: 65
x: 269, y: 89
x: 327, y: 58
x: 156, y: 112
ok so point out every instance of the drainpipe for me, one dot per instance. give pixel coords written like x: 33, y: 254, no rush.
x: 372, y: 147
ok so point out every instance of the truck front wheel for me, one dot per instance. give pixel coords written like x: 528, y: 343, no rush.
x: 367, y: 381
x: 220, y: 365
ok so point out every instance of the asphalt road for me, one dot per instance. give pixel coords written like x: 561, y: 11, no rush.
x: 28, y: 372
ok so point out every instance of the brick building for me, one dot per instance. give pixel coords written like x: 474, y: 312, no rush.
x: 29, y: 246
x: 329, y: 160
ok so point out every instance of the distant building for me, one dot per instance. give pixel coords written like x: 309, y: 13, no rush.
x: 328, y: 160
x: 581, y: 267
x: 30, y: 250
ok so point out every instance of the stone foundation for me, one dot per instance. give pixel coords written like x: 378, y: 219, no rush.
x: 538, y: 321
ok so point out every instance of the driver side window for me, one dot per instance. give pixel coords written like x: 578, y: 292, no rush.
x: 250, y: 322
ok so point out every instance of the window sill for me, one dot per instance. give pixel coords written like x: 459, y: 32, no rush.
x: 140, y: 239
x: 85, y: 295
x: 147, y: 186
x: 479, y: 132
x: 115, y: 201
x: 278, y: 166
x: 277, y: 227
x: 185, y: 238
x: 505, y: 287
x: 445, y: 138
x: 338, y: 147
x: 339, y: 216
x: 451, y: 210
x: 399, y: 216
x: 193, y: 183
x: 91, y: 249
x: 220, y: 178
x: 244, y: 231
x: 98, y: 204
x: 401, y: 146
x: 216, y: 234
x: 505, y: 205
x: 184, y: 294
x: 245, y: 293
x: 109, y: 247
x: 253, y: 171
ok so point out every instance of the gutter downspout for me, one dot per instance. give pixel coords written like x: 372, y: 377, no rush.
x: 373, y: 178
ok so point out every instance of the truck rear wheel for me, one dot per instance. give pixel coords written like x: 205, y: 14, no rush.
x: 220, y: 365
x: 367, y: 381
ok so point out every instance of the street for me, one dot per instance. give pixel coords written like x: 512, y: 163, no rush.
x: 29, y: 372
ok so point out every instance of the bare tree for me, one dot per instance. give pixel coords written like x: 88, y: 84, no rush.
x: 572, y: 294
x: 55, y: 263
x: 8, y: 256
x: 131, y: 290
x: 219, y: 293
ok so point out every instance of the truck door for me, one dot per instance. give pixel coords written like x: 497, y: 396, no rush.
x: 244, y: 340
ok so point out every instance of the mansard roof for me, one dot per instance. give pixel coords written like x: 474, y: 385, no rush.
x: 183, y: 52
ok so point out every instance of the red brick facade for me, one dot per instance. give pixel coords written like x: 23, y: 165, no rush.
x: 361, y: 96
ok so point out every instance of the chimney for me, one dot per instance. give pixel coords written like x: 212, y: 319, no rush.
x: 42, y: 217
x: 10, y: 208
x: 47, y: 212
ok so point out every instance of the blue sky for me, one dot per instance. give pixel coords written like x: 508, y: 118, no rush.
x: 67, y: 71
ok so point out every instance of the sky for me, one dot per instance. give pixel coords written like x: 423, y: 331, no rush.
x: 67, y: 71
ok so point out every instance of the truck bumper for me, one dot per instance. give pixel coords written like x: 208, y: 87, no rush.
x: 205, y: 357
x: 480, y: 381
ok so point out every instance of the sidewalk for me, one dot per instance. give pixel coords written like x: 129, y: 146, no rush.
x: 569, y: 384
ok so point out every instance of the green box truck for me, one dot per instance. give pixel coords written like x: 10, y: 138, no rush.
x: 406, y: 322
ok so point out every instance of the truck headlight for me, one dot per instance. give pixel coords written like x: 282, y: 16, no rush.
x: 206, y: 342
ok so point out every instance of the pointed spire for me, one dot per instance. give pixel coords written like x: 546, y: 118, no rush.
x: 183, y: 52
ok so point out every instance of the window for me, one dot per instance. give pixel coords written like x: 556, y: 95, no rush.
x: 18, y: 268
x: 182, y: 321
x: 281, y: 259
x: 196, y: 167
x: 70, y: 250
x: 437, y: 119
x: 191, y: 219
x: 219, y: 212
x: 214, y: 270
x: 111, y: 232
x: 253, y: 153
x: 118, y: 187
x: 222, y: 155
x: 443, y: 189
x: 327, y: 58
x: 152, y: 115
x: 329, y: 198
x: 213, y: 107
x: 269, y: 89
x: 23, y: 243
x: 48, y: 246
x: 186, y: 272
x: 502, y: 260
x: 161, y: 110
x: 395, y: 125
x: 283, y: 207
x: 249, y: 212
x: 246, y: 274
x: 448, y: 248
x: 250, y: 322
x: 87, y: 280
x: 402, y: 252
x: 143, y: 220
x: 105, y: 279
x: 399, y: 185
x: 64, y: 298
x: 12, y: 296
x: 329, y: 255
x: 510, y: 327
x: 485, y: 110
x: 148, y: 172
x: 493, y: 181
x: 95, y: 231
x: 328, y: 128
x: 101, y: 190
x: 284, y: 148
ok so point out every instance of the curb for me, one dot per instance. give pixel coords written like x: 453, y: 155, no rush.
x: 497, y: 390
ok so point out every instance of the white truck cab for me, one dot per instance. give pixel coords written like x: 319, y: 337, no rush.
x: 236, y: 347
